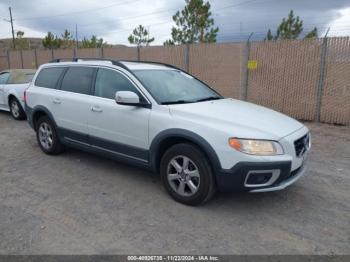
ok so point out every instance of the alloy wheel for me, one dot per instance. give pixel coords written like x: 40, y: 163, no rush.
x: 183, y: 175
x: 45, y: 135
x: 15, y: 109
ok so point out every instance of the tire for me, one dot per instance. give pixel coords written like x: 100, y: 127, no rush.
x: 16, y: 109
x: 191, y: 180
x: 47, y: 136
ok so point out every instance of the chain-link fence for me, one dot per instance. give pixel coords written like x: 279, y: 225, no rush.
x: 306, y: 79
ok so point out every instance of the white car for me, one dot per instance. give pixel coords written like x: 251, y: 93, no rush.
x: 12, y: 85
x: 159, y: 117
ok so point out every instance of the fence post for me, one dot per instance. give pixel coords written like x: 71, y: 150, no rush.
x: 187, y: 58
x: 36, y: 58
x: 102, y: 53
x: 21, y: 55
x: 244, y: 91
x: 138, y: 53
x: 321, y: 78
x: 8, y: 59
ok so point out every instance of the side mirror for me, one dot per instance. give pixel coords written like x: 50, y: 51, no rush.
x: 127, y: 98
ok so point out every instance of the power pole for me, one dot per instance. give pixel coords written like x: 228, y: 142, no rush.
x: 13, y: 31
x: 76, y: 36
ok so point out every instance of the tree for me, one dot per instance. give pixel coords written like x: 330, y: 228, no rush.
x: 140, y: 36
x: 269, y: 35
x: 21, y: 43
x: 290, y: 28
x: 169, y: 42
x: 67, y: 39
x: 193, y: 24
x: 20, y: 34
x: 93, y: 42
x: 48, y: 40
x: 312, y: 34
x: 51, y: 41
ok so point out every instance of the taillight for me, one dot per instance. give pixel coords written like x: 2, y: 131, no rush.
x: 25, y: 96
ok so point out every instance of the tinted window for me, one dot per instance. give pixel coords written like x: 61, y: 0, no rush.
x: 78, y: 80
x: 109, y: 82
x: 48, y: 77
x: 3, y: 78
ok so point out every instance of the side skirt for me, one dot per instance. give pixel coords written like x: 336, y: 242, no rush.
x: 3, y: 108
x: 83, y: 144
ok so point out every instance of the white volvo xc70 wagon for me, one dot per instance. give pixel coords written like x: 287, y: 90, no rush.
x: 160, y: 117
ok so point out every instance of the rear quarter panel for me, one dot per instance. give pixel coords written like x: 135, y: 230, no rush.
x: 16, y: 90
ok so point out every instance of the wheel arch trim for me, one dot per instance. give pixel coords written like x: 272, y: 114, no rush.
x: 178, y: 133
x: 43, y: 109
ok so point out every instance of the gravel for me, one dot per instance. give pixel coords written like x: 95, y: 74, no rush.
x: 78, y: 203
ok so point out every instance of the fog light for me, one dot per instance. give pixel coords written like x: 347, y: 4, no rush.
x: 259, y: 178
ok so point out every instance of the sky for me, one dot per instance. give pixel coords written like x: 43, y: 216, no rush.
x: 114, y: 20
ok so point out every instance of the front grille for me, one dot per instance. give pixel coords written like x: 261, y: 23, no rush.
x: 301, y: 145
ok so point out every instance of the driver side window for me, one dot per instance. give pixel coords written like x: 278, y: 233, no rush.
x: 108, y: 82
x: 3, y: 78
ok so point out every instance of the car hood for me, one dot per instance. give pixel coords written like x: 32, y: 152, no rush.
x: 241, y: 119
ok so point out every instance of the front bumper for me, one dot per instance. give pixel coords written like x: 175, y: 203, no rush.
x: 237, y: 178
x: 295, y: 175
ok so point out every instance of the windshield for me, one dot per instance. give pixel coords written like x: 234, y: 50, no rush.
x: 175, y: 87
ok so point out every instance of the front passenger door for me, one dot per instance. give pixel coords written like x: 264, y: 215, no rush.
x: 119, y: 129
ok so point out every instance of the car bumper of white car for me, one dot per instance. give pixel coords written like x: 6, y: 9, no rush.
x: 258, y: 176
x: 294, y: 176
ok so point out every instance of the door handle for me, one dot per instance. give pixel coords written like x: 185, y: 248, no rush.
x: 96, y: 109
x: 56, y: 101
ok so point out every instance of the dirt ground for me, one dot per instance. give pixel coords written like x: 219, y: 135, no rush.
x: 78, y: 203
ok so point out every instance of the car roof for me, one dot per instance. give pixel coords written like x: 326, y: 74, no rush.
x: 130, y: 65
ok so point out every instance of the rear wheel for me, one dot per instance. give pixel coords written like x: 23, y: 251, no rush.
x: 187, y: 175
x: 47, y: 136
x: 16, y: 109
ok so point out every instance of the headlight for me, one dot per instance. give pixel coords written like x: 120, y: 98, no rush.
x: 256, y: 147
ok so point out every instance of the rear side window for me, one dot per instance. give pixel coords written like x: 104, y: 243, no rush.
x: 48, y: 77
x: 78, y: 80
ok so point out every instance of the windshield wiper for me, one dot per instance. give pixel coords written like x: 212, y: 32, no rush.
x: 208, y: 98
x: 176, y: 102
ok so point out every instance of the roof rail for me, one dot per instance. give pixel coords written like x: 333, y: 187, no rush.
x: 151, y: 62
x: 76, y: 59
x: 114, y: 62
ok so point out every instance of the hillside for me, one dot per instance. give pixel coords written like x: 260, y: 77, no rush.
x: 6, y: 43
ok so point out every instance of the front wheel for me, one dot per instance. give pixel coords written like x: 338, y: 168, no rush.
x: 187, y: 175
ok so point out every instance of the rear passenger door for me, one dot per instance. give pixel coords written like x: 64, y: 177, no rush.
x: 71, y: 103
x: 3, y: 80
x: 119, y: 129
